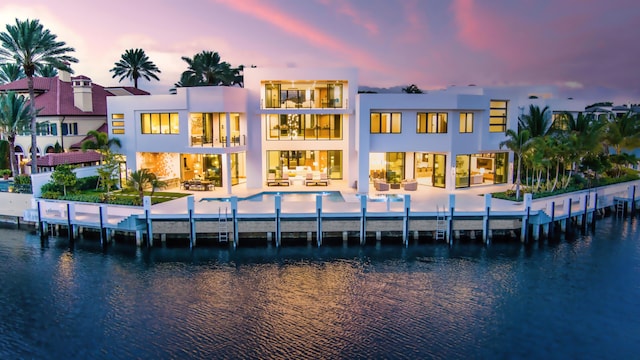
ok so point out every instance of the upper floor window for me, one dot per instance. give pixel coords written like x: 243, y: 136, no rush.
x: 303, y: 94
x: 47, y: 129
x: 160, y: 123
x: 498, y: 116
x: 69, y: 128
x: 386, y: 123
x: 432, y: 123
x: 304, y: 126
x: 466, y: 122
x: 117, y: 116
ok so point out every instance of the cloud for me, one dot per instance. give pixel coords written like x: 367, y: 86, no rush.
x: 293, y: 25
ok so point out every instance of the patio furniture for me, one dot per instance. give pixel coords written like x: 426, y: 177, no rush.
x: 272, y: 181
x: 380, y: 185
x: 323, y: 180
x: 410, y: 185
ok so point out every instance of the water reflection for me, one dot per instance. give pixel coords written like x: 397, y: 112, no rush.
x: 504, y: 300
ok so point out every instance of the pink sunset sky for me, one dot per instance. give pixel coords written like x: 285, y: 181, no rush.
x: 588, y: 48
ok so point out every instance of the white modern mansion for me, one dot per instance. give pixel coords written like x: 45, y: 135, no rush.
x: 294, y: 121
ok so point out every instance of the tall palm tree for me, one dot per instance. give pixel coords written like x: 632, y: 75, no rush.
x: 31, y: 46
x: 623, y: 132
x: 46, y: 71
x: 14, y: 119
x: 517, y: 142
x: 207, y: 69
x: 10, y: 72
x: 537, y: 122
x: 135, y: 64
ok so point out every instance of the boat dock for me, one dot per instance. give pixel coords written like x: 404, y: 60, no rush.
x: 362, y: 218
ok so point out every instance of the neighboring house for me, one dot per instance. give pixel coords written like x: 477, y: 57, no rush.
x: 291, y: 122
x: 69, y: 107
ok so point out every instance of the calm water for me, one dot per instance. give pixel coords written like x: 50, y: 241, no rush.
x: 569, y: 299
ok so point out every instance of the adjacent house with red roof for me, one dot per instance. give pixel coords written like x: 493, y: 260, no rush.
x: 69, y: 107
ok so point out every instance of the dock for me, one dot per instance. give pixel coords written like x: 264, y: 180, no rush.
x: 447, y: 217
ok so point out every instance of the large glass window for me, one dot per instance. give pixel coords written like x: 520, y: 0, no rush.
x: 462, y: 170
x: 301, y: 162
x: 439, y: 170
x: 466, y: 122
x: 478, y: 169
x: 304, y: 94
x: 498, y: 116
x: 272, y: 95
x: 160, y: 123
x: 432, y: 123
x: 304, y: 127
x: 386, y: 123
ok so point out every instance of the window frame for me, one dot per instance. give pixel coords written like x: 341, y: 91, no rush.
x: 166, y: 123
x: 466, y: 123
x: 424, y: 126
x: 392, y: 126
x: 497, y: 117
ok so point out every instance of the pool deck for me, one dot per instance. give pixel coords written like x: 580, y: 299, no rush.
x: 426, y: 198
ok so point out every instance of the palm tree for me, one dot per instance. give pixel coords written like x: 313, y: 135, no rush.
x: 14, y: 119
x: 134, y: 64
x: 46, y: 71
x: 517, y: 142
x: 206, y: 69
x: 10, y: 72
x: 31, y: 46
x: 623, y: 132
x: 537, y: 122
x: 583, y: 135
x: 140, y: 180
x: 101, y: 142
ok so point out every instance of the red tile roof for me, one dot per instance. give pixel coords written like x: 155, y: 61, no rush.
x: 74, y: 157
x: 55, y: 97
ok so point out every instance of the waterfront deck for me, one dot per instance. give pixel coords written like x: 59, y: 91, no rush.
x: 413, y: 214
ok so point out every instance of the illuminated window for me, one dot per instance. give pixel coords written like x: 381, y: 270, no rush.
x: 117, y: 116
x: 498, y: 116
x: 431, y: 123
x: 117, y: 123
x: 117, y: 131
x: 466, y: 122
x: 386, y: 123
x: 160, y: 123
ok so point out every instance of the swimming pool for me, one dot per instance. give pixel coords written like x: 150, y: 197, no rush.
x: 384, y: 197
x: 289, y: 196
x: 4, y: 185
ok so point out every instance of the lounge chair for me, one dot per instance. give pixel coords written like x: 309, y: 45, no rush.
x: 324, y: 179
x: 272, y: 181
x: 309, y: 179
x: 380, y: 185
x: 410, y: 185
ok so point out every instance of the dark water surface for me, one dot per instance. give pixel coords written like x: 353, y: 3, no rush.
x: 570, y: 299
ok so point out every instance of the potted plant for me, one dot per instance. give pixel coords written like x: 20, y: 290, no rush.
x: 5, y: 173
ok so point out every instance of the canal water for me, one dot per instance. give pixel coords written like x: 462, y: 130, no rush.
x: 565, y: 299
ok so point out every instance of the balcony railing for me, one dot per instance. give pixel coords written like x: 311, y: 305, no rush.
x: 200, y: 141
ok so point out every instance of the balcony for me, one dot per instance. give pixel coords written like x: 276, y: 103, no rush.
x: 202, y: 141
